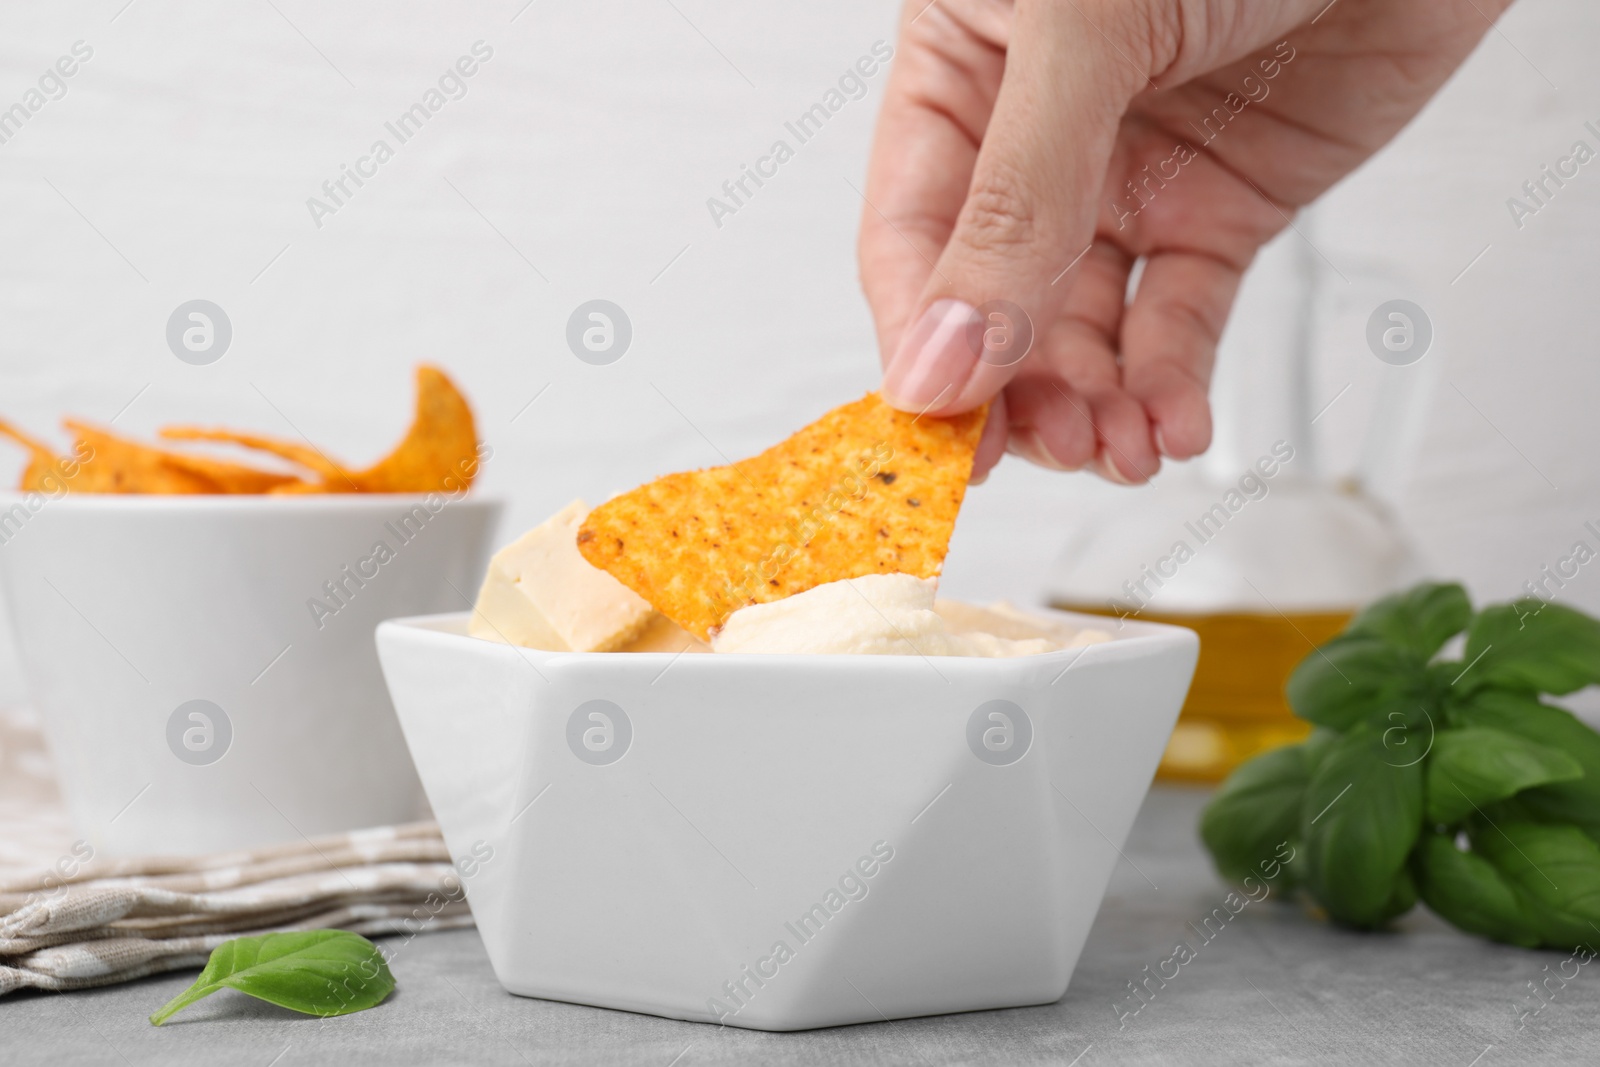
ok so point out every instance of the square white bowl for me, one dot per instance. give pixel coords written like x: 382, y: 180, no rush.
x: 641, y: 831
x: 193, y: 698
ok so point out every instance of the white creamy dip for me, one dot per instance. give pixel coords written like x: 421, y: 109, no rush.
x: 874, y: 615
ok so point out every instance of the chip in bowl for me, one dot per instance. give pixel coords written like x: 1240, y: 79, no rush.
x: 439, y: 453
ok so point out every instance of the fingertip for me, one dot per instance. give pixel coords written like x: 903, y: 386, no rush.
x: 1050, y: 425
x: 933, y: 362
x: 992, y: 444
x: 1031, y: 446
x: 1115, y: 468
x: 1180, y: 423
x: 1070, y: 438
x: 1126, y: 452
x: 1106, y: 470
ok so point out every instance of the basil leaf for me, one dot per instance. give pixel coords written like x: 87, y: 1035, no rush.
x: 1466, y: 891
x: 1477, y: 765
x: 1360, y: 817
x: 1575, y: 801
x: 318, y: 972
x: 1419, y: 620
x: 1351, y: 680
x: 1255, y: 812
x: 1534, y: 647
x: 1402, y: 900
x: 1556, y: 869
x: 1316, y: 747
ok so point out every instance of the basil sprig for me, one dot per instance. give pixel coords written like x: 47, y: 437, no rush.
x: 318, y: 972
x: 1448, y: 780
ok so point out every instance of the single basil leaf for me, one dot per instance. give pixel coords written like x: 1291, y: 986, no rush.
x: 1351, y: 680
x: 1316, y: 747
x: 1360, y: 818
x: 1419, y: 620
x: 1466, y: 891
x: 1576, y: 800
x: 1478, y: 765
x: 318, y: 972
x: 1555, y: 868
x: 1402, y: 899
x: 1533, y: 646
x: 1255, y: 812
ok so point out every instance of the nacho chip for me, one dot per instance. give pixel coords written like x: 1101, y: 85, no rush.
x: 866, y: 489
x: 438, y: 454
x: 303, y: 455
x: 42, y: 462
x: 118, y: 465
x: 35, y: 446
x: 102, y: 462
x: 440, y: 451
x: 40, y: 475
x: 227, y: 477
x: 45, y: 471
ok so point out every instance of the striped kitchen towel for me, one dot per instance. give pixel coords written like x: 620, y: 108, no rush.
x: 107, y: 921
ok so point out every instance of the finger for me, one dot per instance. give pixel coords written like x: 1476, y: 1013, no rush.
x: 1095, y: 291
x: 1127, y: 451
x: 992, y: 444
x: 1050, y: 425
x: 1029, y: 211
x: 935, y: 109
x: 1050, y: 421
x: 1169, y: 345
x: 1080, y: 345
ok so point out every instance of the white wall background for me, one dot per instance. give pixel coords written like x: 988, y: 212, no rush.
x: 577, y: 166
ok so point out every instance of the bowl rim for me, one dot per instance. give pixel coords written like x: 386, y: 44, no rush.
x: 1142, y: 639
x: 123, y: 503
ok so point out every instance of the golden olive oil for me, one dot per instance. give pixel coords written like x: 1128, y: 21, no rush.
x: 1236, y: 707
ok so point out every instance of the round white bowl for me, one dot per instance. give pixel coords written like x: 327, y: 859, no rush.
x: 193, y: 694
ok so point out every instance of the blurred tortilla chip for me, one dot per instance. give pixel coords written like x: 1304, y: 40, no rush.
x: 441, y: 447
x: 118, y: 465
x: 304, y: 455
x: 866, y: 489
x: 438, y: 454
x: 106, y: 463
x: 46, y: 472
x: 231, y: 477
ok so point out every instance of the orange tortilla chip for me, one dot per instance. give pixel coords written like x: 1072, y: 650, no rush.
x: 35, y: 446
x: 438, y: 454
x: 118, y: 465
x: 866, y: 489
x: 303, y: 455
x: 440, y: 448
x: 42, y: 462
x: 231, y: 477
x: 105, y: 463
x: 36, y: 475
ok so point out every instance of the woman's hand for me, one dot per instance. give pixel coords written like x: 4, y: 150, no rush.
x: 1029, y: 153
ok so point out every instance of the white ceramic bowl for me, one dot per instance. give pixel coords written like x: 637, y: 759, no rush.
x: 642, y: 831
x: 127, y: 608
